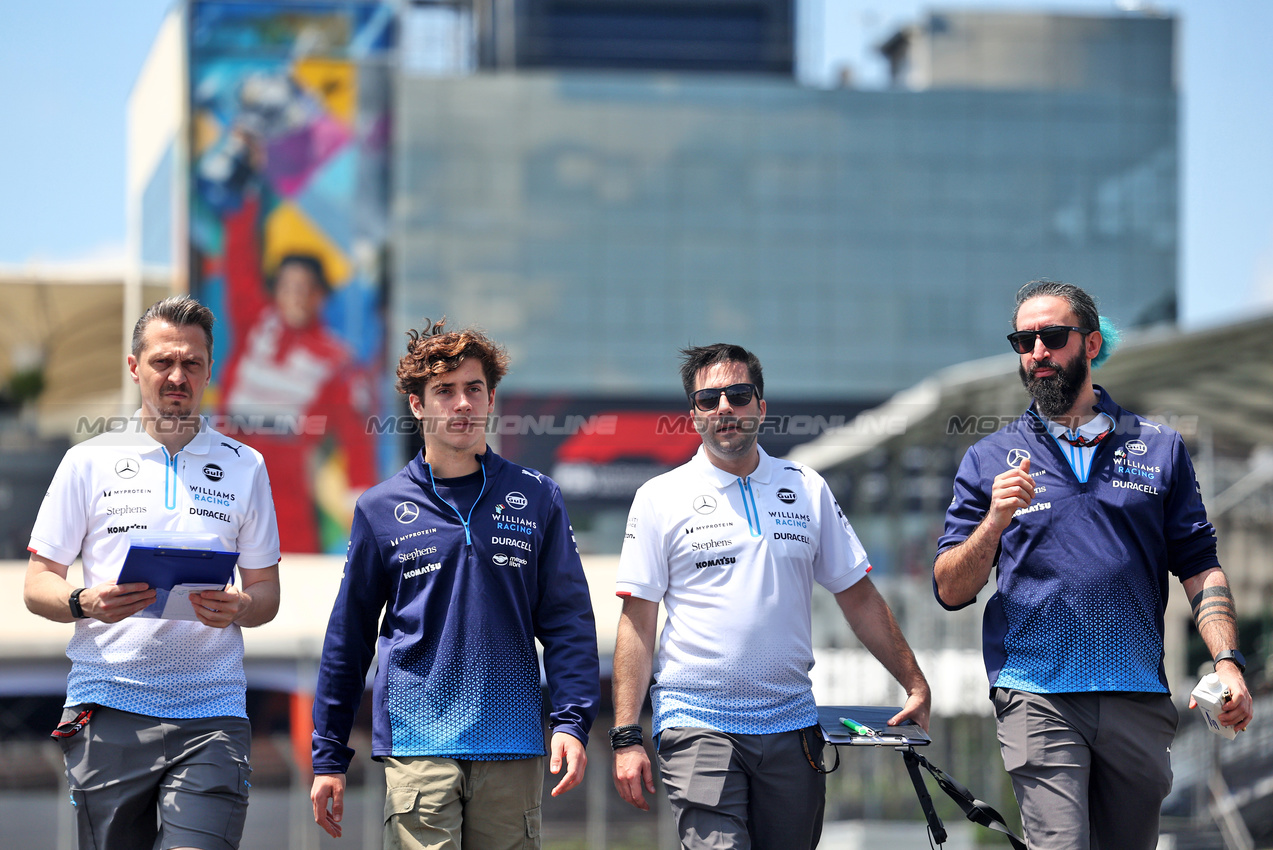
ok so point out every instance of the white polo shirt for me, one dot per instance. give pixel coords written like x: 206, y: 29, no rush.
x: 734, y: 561
x: 124, y: 481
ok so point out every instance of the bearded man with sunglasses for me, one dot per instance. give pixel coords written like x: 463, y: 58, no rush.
x: 731, y: 543
x: 1085, y: 508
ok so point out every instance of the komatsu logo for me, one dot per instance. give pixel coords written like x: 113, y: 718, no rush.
x: 1041, y: 506
x: 422, y: 569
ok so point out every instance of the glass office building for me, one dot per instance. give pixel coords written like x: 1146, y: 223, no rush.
x: 597, y: 221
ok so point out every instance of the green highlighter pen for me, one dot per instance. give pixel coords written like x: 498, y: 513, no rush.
x: 858, y: 728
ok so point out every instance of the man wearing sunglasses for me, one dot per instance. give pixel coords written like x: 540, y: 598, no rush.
x: 1085, y: 508
x: 731, y: 544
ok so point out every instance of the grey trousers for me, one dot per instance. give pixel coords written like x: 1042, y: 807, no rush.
x: 1090, y: 770
x: 743, y: 791
x: 135, y: 778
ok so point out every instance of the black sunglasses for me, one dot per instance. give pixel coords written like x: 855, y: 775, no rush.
x: 738, y: 395
x: 1054, y: 337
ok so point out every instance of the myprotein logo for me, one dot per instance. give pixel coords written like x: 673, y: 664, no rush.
x: 787, y: 496
x: 515, y: 500
x: 214, y: 472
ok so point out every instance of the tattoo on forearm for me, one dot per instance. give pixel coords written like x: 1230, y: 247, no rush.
x: 1213, y: 605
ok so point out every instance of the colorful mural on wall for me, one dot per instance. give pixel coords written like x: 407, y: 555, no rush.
x: 290, y: 109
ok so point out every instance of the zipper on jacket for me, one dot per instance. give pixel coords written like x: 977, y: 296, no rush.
x: 744, y: 486
x: 464, y: 521
x: 170, y: 480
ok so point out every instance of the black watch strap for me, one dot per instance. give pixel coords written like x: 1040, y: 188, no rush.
x: 77, y: 610
x: 1230, y: 655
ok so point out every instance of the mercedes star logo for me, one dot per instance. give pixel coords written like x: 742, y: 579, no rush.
x: 127, y: 468
x: 704, y: 504
x: 406, y: 512
x: 1016, y: 456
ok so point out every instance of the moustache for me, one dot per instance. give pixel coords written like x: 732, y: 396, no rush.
x: 1047, y: 364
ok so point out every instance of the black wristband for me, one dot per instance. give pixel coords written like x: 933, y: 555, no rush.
x: 626, y: 736
x: 77, y: 610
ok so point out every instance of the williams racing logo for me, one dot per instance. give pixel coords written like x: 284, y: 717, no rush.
x: 210, y: 496
x: 790, y: 519
x: 1139, y: 473
x: 514, y: 523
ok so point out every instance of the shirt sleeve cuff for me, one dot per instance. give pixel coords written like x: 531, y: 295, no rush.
x: 640, y: 591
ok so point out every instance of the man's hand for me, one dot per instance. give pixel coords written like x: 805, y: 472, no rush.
x: 1011, y: 491
x: 328, y: 787
x: 219, y: 608
x: 632, y: 772
x: 917, y: 709
x: 567, y: 749
x: 1239, y: 710
x: 112, y: 602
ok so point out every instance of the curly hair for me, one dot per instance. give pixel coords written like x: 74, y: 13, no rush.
x: 433, y: 352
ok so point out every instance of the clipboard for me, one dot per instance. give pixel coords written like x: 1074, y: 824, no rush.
x: 162, y: 567
x: 175, y: 566
x: 873, y: 716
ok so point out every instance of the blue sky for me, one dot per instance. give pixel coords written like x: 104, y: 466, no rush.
x: 69, y: 66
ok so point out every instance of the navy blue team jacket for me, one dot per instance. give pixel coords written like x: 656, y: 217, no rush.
x: 464, y: 599
x: 1083, y: 570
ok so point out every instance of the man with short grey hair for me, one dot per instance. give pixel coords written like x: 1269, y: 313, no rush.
x: 155, y: 730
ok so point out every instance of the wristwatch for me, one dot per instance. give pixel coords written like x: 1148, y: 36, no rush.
x: 77, y: 610
x: 1230, y: 655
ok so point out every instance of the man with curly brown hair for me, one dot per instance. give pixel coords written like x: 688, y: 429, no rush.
x: 472, y: 559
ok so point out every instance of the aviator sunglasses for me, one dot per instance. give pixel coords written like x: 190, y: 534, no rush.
x: 738, y: 395
x: 1054, y: 337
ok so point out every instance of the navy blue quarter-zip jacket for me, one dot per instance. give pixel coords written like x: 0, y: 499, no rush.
x: 1082, y: 572
x: 464, y: 598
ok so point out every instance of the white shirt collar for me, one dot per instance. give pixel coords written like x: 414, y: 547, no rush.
x: 722, y: 479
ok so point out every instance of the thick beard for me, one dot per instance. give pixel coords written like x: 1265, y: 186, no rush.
x: 1055, y: 395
